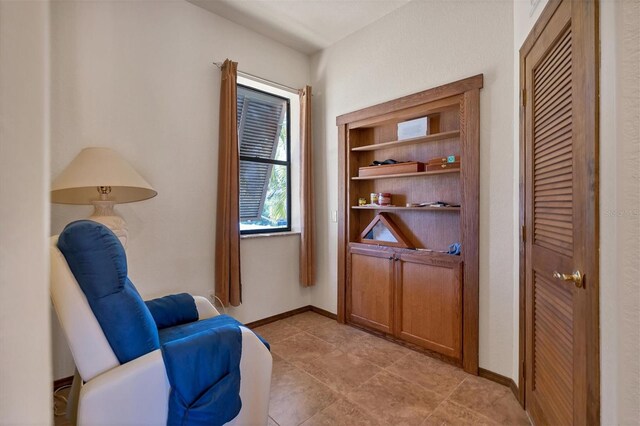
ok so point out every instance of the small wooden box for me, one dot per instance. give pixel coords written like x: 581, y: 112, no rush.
x: 443, y: 166
x: 443, y: 160
x: 391, y: 169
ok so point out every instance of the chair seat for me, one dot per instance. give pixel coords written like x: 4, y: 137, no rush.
x: 180, y: 331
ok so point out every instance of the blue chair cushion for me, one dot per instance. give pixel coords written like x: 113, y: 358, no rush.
x: 181, y: 331
x: 99, y: 263
x: 174, y: 309
x: 204, y: 372
x: 203, y: 367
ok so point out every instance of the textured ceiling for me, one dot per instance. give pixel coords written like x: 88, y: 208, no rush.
x: 305, y: 25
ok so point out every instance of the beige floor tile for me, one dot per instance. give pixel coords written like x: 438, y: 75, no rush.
x: 394, y: 400
x: 301, y: 347
x: 308, y: 320
x: 277, y: 331
x: 343, y: 372
x: 296, y: 396
x: 375, y: 350
x: 336, y: 334
x: 449, y: 413
x: 271, y: 422
x: 428, y: 372
x: 342, y: 413
x: 332, y: 374
x: 490, y: 399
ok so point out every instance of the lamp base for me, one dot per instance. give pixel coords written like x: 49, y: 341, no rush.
x: 106, y: 215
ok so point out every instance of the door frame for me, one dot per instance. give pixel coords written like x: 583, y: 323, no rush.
x: 588, y: 17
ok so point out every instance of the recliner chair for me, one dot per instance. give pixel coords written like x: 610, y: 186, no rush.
x: 138, y: 391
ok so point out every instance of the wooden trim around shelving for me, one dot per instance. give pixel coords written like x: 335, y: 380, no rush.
x: 343, y: 215
x: 430, y: 95
x: 413, y: 141
x: 410, y: 113
x: 402, y: 175
x: 470, y: 226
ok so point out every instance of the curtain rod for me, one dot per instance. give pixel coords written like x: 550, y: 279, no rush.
x: 262, y: 80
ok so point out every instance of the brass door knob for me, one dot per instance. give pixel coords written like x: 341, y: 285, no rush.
x: 576, y: 277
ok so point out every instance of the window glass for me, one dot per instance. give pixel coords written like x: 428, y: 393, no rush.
x: 265, y: 173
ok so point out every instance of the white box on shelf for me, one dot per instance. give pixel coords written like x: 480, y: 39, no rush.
x: 413, y: 128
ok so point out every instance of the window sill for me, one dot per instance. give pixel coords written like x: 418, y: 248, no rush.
x: 274, y: 234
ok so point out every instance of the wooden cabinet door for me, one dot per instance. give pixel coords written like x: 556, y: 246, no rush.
x: 369, y: 289
x: 429, y: 303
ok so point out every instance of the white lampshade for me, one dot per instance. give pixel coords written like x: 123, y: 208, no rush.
x: 99, y: 167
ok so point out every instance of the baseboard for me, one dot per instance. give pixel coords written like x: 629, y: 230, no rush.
x: 65, y: 381
x: 278, y: 317
x: 499, y: 378
x: 323, y: 312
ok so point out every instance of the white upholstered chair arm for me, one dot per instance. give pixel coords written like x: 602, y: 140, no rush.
x: 140, y: 390
x: 255, y: 381
x: 134, y: 393
x: 205, y: 308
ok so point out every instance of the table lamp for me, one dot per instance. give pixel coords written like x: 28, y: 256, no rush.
x: 100, y: 176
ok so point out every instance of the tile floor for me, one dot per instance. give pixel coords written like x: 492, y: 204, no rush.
x: 325, y: 373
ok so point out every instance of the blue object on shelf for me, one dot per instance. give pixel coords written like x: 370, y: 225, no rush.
x: 455, y: 248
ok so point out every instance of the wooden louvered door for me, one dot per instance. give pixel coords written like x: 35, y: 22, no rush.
x: 560, y: 123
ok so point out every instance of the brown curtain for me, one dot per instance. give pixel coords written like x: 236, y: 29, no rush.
x: 228, y: 287
x: 307, y: 240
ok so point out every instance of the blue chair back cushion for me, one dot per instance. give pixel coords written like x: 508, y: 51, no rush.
x: 99, y: 263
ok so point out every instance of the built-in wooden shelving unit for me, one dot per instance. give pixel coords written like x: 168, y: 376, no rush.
x: 397, y: 281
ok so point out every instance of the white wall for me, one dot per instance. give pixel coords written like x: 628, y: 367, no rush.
x: 619, y: 201
x: 620, y: 212
x: 25, y: 354
x: 422, y: 45
x: 138, y: 77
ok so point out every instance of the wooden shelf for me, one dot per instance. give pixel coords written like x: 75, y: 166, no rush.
x: 455, y: 258
x: 449, y: 209
x: 402, y: 175
x: 412, y: 141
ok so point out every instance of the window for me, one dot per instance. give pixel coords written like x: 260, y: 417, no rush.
x: 265, y: 161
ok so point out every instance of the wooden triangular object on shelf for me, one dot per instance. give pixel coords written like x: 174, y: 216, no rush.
x: 382, y: 231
